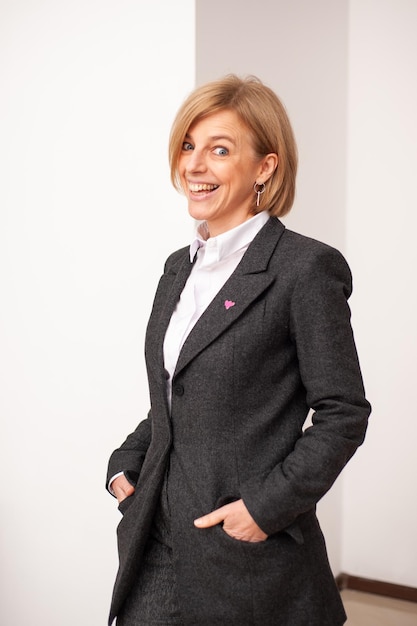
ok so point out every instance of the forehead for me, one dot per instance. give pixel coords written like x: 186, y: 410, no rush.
x: 222, y: 124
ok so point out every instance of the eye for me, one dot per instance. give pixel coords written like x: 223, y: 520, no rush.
x: 221, y: 151
x: 187, y: 146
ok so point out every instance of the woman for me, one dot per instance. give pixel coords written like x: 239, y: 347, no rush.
x: 250, y: 328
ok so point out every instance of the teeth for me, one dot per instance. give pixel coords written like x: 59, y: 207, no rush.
x: 202, y: 187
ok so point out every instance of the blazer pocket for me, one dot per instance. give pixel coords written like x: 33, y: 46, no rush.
x: 125, y: 504
x: 295, y: 532
x: 223, y: 500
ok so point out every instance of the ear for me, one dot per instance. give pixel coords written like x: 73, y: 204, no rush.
x: 268, y: 166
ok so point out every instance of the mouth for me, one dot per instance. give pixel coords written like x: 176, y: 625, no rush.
x: 196, y: 188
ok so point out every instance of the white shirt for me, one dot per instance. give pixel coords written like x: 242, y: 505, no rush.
x: 217, y: 259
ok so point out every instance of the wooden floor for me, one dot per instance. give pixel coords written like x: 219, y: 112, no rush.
x: 365, y: 609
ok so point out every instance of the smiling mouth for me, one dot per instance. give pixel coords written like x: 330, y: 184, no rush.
x: 197, y: 188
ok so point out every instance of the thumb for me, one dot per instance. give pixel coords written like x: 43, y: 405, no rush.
x: 211, y: 519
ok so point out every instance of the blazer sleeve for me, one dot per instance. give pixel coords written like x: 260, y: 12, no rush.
x: 131, y: 454
x: 329, y: 370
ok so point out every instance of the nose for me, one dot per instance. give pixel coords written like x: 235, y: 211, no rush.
x: 196, y: 161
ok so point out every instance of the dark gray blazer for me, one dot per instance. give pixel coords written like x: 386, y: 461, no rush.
x: 245, y: 380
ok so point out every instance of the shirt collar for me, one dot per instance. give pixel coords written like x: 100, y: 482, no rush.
x: 232, y: 240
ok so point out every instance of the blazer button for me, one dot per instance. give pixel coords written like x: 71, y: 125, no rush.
x: 178, y: 389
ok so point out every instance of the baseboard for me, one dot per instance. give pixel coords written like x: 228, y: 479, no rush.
x: 391, y: 590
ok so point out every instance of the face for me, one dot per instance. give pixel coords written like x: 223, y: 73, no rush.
x: 218, y: 168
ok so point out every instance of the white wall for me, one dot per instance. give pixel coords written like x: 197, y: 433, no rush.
x: 87, y: 217
x: 380, y: 493
x: 299, y: 49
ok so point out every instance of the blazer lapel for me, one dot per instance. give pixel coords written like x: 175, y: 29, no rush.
x: 246, y: 284
x: 169, y: 290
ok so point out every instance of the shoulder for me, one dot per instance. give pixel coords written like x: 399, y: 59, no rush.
x: 307, y: 246
x: 304, y: 261
x: 302, y: 252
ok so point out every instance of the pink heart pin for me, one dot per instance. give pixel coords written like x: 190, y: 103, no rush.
x: 228, y: 304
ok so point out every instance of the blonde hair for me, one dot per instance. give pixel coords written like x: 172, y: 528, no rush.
x: 262, y: 112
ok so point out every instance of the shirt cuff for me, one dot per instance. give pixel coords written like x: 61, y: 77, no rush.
x: 110, y: 482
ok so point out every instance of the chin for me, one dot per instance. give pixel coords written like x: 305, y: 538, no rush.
x: 198, y: 213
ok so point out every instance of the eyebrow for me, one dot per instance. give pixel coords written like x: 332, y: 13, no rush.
x: 216, y: 138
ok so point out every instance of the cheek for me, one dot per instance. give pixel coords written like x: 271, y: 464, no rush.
x: 242, y: 185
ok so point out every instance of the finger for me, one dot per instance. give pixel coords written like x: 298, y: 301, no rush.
x: 121, y: 487
x: 129, y: 489
x: 211, y: 519
x: 122, y: 492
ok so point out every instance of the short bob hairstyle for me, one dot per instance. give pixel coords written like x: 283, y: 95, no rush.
x: 261, y: 111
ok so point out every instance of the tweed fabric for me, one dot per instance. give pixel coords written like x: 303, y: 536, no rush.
x: 244, y: 383
x: 153, y: 599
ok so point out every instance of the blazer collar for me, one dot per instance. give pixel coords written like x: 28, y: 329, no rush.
x: 246, y: 284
